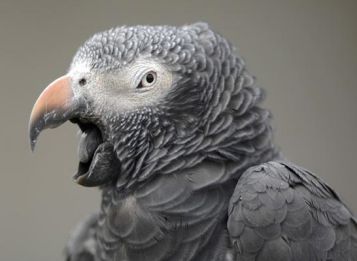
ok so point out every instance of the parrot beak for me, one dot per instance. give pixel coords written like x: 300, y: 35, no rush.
x: 57, y: 104
x: 54, y: 106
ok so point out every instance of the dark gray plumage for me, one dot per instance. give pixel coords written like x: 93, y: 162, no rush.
x: 187, y: 166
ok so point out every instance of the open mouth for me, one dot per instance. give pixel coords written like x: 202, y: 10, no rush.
x: 98, y: 163
x: 90, y: 139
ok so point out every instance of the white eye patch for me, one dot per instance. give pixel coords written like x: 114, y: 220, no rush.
x: 145, y: 82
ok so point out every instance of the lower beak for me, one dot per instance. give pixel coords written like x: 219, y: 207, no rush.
x: 55, y: 105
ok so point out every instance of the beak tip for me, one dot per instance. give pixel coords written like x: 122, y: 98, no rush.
x: 34, y: 126
x: 33, y: 145
x: 34, y: 131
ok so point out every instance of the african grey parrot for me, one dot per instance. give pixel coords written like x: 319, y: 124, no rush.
x: 174, y: 135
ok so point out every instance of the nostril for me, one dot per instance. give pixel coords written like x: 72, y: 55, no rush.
x: 82, y: 82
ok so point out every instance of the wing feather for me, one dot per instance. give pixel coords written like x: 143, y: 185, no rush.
x: 280, y: 211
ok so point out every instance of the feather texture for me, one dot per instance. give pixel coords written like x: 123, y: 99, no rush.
x: 280, y: 211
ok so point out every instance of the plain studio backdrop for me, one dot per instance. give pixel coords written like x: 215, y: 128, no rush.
x: 304, y: 53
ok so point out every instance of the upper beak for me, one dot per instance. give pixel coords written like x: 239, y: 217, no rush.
x: 54, y: 106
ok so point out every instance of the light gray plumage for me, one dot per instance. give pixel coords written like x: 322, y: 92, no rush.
x: 193, y: 172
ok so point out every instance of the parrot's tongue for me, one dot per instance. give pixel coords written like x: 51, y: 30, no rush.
x: 88, y: 143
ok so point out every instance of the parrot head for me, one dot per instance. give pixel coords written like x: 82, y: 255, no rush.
x: 139, y: 94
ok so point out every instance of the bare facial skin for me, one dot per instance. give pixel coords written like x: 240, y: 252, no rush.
x: 143, y: 83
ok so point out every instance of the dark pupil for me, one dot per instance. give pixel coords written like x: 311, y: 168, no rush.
x: 150, y: 78
x: 82, y: 81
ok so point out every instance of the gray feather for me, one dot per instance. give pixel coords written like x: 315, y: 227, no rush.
x: 291, y: 211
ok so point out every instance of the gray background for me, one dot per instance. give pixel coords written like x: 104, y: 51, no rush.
x: 304, y: 53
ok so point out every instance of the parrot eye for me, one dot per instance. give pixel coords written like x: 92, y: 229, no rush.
x: 82, y: 82
x: 148, y: 80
